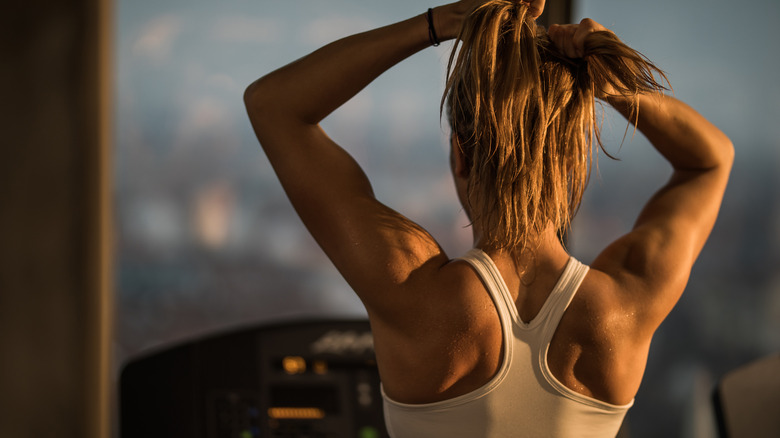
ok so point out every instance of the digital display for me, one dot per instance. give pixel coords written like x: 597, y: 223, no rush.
x: 303, y: 402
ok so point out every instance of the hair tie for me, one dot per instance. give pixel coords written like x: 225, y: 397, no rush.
x: 431, y: 31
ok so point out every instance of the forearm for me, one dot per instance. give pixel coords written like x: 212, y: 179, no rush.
x: 312, y: 87
x: 679, y: 133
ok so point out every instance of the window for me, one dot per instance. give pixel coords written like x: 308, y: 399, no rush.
x: 207, y: 241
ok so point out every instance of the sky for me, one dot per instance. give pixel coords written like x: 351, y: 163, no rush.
x: 208, y: 242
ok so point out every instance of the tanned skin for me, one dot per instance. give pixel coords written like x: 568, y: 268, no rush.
x: 436, y: 330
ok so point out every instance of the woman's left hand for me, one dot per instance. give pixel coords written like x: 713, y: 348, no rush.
x: 535, y: 7
x: 449, y: 18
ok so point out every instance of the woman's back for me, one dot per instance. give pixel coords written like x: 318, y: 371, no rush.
x: 460, y: 349
x: 510, y: 379
x: 441, y: 331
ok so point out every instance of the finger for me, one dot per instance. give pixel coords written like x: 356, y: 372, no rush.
x: 586, y: 27
x: 555, y: 32
x: 591, y: 24
x: 535, y: 7
x: 562, y: 37
x: 578, y: 42
x: 539, y: 5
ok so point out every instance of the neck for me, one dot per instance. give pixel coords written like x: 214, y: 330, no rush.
x: 542, y: 246
x: 545, y: 253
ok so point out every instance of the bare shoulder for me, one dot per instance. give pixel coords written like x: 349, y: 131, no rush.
x: 446, y: 344
x: 607, y: 309
x: 597, y: 349
x: 596, y: 312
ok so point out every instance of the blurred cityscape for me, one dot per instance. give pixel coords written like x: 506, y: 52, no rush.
x: 206, y: 240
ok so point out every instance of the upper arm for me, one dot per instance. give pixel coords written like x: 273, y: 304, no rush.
x: 651, y: 264
x: 377, y: 250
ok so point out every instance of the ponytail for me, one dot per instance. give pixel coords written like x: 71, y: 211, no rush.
x: 524, y: 116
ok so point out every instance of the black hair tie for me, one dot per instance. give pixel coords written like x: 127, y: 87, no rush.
x: 431, y: 31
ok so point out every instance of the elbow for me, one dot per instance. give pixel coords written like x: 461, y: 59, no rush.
x: 267, y: 106
x: 253, y: 100
x: 718, y: 151
x: 725, y: 152
x: 258, y: 104
x: 730, y: 152
x: 248, y: 95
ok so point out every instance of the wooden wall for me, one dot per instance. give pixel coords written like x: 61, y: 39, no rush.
x: 55, y: 299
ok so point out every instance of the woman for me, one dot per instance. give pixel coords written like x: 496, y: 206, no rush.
x: 516, y: 338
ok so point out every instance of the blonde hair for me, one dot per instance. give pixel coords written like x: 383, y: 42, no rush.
x: 525, y: 118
